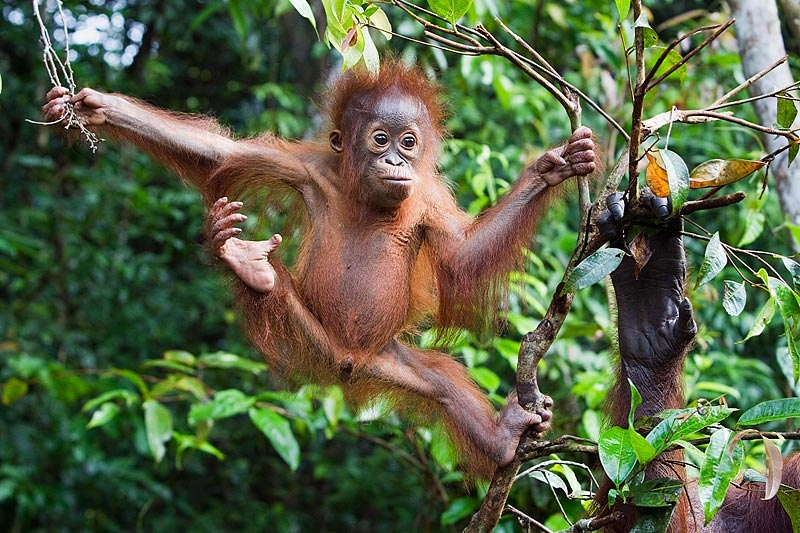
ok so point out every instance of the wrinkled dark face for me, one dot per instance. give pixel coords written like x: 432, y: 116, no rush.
x: 389, y: 145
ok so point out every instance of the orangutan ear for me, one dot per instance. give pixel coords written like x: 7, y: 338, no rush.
x: 335, y: 138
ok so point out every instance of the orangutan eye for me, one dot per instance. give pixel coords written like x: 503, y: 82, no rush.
x: 381, y: 139
x: 409, y: 141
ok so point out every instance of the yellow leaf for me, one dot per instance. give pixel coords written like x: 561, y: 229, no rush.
x: 718, y: 172
x: 656, y: 175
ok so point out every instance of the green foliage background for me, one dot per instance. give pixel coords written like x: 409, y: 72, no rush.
x: 102, y: 268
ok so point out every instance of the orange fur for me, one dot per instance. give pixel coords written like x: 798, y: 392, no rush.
x: 385, y: 249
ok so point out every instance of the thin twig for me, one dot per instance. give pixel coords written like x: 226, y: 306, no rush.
x: 527, y: 519
x: 749, y: 81
x: 650, y: 84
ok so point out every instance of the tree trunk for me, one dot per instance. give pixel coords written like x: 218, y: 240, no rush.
x: 791, y: 16
x: 758, y: 32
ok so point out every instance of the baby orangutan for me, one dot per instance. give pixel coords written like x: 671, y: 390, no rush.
x: 385, y: 247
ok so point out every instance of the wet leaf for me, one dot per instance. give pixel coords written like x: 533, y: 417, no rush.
x: 771, y: 410
x: 735, y: 298
x: 714, y: 261
x: 720, y: 467
x: 678, y: 175
x: 794, y: 269
x: 684, y: 422
x: 616, y: 454
x: 593, y: 269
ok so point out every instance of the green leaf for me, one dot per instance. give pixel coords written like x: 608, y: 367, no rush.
x: 229, y: 360
x: 169, y: 365
x: 305, y: 11
x: 158, y: 425
x: 279, y: 433
x: 370, y: 53
x: 332, y: 406
x: 644, y: 450
x: 191, y: 442
x: 790, y: 500
x: 450, y: 10
x: 575, y: 489
x: 753, y: 226
x: 649, y: 34
x: 352, y: 47
x: 593, y: 269
x: 720, y: 467
x: 381, y: 22
x: 616, y: 454
x: 180, y: 382
x: 786, y: 300
x: 678, y: 176
x: 334, y: 14
x: 128, y: 396
x: 641, y: 446
x: 442, y: 449
x: 659, y: 492
x: 771, y: 410
x: 103, y: 415
x: 238, y: 18
x: 636, y: 401
x: 623, y: 8
x: 134, y: 378
x: 551, y: 479
x: 714, y: 261
x: 13, y: 390
x: 180, y: 356
x: 763, y: 318
x: 735, y: 298
x: 671, y: 57
x: 485, y: 378
x: 458, y: 509
x: 683, y: 422
x: 794, y: 269
x: 787, y: 110
x: 225, y: 403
